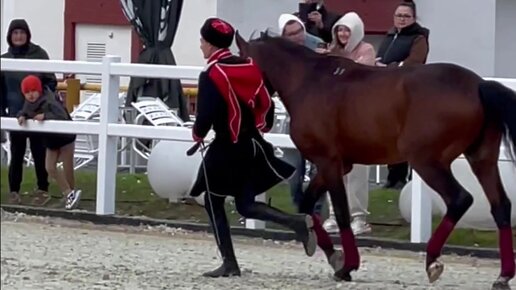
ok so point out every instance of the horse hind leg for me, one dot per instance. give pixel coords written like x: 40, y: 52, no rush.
x: 332, y: 172
x: 439, y: 177
x: 484, y: 163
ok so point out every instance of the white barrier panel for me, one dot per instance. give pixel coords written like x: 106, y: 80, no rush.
x: 108, y: 130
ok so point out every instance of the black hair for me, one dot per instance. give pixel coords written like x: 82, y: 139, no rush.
x: 411, y: 5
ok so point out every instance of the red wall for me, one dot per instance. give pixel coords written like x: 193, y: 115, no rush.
x: 376, y: 14
x: 102, y: 12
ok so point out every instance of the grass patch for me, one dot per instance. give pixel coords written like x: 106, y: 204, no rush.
x: 135, y: 197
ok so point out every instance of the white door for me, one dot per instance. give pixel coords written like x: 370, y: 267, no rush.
x: 92, y: 42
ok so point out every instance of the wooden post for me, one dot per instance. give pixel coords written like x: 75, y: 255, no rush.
x: 73, y: 93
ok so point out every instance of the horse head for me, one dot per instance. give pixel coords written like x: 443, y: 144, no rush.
x: 249, y: 48
x: 254, y: 49
x: 284, y: 64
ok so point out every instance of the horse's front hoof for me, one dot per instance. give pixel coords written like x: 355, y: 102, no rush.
x: 502, y: 283
x: 434, y: 271
x: 342, y: 275
x: 336, y: 260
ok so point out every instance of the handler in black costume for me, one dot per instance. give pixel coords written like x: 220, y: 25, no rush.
x: 232, y: 99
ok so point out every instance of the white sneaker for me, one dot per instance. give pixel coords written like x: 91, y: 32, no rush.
x: 73, y: 198
x: 360, y: 226
x: 330, y: 225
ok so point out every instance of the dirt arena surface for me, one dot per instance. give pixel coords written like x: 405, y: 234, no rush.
x: 48, y: 253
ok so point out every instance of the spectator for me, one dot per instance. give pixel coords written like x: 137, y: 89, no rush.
x: 405, y: 44
x: 40, y: 105
x: 293, y: 29
x: 320, y: 21
x: 20, y: 46
x: 348, y: 34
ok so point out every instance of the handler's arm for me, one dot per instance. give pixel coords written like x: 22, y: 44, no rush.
x: 205, y: 114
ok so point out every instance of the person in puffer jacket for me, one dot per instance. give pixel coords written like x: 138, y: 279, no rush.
x: 348, y: 40
x: 21, y: 47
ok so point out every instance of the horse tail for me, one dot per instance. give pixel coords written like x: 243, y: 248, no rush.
x: 499, y: 103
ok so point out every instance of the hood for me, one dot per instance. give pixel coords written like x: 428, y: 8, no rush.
x: 285, y: 18
x: 355, y: 24
x: 18, y: 24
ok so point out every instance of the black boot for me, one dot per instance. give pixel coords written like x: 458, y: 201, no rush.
x: 229, y: 265
x: 220, y: 225
x: 302, y: 224
x: 228, y: 268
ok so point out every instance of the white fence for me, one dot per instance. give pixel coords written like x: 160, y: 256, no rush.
x: 109, y: 130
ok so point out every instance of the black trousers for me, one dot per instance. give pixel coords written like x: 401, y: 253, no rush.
x: 247, y: 207
x: 18, y: 149
x: 398, y: 173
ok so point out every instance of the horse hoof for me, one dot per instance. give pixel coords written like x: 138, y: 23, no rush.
x: 434, y: 271
x: 502, y: 283
x: 342, y: 275
x: 336, y: 260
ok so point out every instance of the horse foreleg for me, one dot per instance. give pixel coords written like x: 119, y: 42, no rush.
x: 312, y: 194
x: 439, y: 177
x: 332, y: 173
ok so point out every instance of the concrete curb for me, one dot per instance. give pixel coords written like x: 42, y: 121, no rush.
x: 271, y: 234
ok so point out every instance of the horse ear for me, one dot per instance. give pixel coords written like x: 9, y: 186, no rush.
x: 252, y: 35
x: 239, y: 39
x: 241, y: 43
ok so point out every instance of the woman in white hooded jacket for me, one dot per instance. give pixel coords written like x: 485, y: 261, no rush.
x: 348, y: 34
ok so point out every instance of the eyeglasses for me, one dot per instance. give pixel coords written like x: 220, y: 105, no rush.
x: 294, y: 33
x: 406, y: 16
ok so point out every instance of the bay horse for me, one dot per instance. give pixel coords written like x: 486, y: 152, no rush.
x: 343, y: 113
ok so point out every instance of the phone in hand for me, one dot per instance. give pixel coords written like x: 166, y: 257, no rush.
x: 322, y: 45
x: 305, y: 9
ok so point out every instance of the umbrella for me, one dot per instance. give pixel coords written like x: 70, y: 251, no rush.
x: 156, y: 23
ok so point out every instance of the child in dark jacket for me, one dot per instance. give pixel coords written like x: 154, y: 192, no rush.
x: 41, y: 106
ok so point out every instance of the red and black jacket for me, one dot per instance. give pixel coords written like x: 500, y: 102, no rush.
x: 232, y: 98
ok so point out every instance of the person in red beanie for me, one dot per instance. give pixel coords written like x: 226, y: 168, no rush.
x: 234, y: 101
x: 39, y: 106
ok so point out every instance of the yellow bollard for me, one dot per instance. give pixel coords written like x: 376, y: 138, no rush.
x: 73, y: 93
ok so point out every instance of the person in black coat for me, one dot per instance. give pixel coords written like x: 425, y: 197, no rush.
x: 20, y: 46
x: 405, y: 44
x: 319, y: 21
x: 232, y: 99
